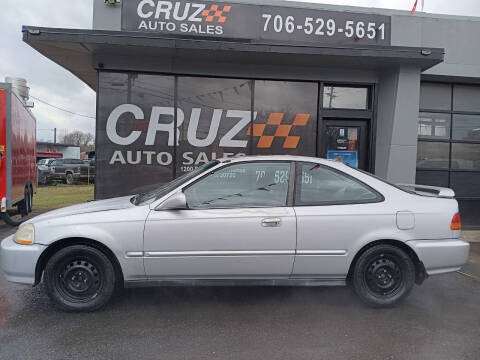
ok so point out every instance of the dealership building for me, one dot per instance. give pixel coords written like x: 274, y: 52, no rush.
x: 182, y: 82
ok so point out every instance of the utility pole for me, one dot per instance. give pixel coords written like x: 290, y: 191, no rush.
x: 54, y: 136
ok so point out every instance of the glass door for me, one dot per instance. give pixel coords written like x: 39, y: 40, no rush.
x: 346, y: 141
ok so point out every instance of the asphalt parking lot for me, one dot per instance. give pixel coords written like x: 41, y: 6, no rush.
x: 440, y: 320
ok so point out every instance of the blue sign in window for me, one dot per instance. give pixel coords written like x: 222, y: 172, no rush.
x: 346, y: 156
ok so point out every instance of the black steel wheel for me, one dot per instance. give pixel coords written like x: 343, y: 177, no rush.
x: 79, y: 278
x: 383, y: 275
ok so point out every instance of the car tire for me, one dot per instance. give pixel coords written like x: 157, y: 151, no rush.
x: 22, y: 206
x: 31, y: 199
x: 79, y: 278
x: 69, y: 179
x: 383, y: 275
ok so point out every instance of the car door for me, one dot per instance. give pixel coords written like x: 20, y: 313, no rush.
x: 59, y: 166
x: 239, y: 224
x: 334, y: 212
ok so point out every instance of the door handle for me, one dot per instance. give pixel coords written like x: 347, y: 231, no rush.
x: 271, y: 222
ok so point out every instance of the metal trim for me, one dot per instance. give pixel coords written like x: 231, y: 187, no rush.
x: 321, y: 252
x: 134, y: 254
x: 175, y: 282
x: 157, y: 254
x: 117, y: 37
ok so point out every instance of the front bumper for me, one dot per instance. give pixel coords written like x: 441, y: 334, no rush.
x: 441, y: 256
x: 18, y: 262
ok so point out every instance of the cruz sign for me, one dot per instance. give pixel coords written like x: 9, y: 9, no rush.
x: 282, y: 130
x: 255, y: 22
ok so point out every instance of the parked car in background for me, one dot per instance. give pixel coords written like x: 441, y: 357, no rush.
x: 70, y: 170
x: 88, y: 171
x: 45, y: 162
x: 273, y: 220
x: 43, y: 170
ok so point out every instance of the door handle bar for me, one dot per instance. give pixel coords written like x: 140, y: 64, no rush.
x: 271, y: 222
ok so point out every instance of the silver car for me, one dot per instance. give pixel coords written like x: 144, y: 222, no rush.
x: 274, y: 220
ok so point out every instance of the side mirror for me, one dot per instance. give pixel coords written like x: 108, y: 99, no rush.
x: 177, y: 201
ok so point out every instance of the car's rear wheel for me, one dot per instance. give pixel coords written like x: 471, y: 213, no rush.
x: 383, y: 275
x: 79, y: 278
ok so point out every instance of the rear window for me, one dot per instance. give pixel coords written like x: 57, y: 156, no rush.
x: 322, y: 185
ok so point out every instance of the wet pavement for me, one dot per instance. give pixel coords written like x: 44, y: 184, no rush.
x: 440, y: 320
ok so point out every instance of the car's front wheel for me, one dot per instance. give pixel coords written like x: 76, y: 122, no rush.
x: 79, y: 278
x: 383, y: 275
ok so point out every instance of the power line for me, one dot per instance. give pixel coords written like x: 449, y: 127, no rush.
x: 59, y: 108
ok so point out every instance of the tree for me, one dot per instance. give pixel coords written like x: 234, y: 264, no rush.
x: 80, y: 138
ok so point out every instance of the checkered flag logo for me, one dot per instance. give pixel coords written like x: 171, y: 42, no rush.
x: 216, y: 13
x: 282, y: 131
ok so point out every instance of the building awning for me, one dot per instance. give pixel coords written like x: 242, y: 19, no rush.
x: 79, y: 51
x: 49, y: 155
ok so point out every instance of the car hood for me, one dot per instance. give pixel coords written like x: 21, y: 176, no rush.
x: 87, y: 207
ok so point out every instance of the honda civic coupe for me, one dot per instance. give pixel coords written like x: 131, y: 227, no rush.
x: 273, y: 220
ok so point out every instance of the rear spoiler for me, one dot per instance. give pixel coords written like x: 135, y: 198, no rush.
x: 429, y: 190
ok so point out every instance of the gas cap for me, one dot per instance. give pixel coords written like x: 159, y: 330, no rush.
x: 405, y: 220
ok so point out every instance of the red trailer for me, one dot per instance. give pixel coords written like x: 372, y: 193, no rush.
x: 17, y: 156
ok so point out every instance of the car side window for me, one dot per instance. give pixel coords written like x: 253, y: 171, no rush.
x: 321, y: 185
x: 258, y: 184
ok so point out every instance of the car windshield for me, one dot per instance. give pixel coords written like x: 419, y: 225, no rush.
x: 151, y: 196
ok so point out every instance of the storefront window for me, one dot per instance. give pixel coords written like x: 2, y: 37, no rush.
x: 465, y: 183
x: 433, y: 155
x: 466, y: 127
x: 466, y: 156
x: 431, y: 125
x: 134, y: 127
x: 286, y: 118
x: 461, y: 134
x: 432, y: 178
x: 340, y: 97
x: 466, y: 98
x: 435, y: 96
x: 213, y: 119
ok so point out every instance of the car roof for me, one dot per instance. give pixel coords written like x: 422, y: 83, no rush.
x: 276, y: 158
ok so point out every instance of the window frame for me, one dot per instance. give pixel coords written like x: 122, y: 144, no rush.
x: 290, y: 188
x: 298, y: 165
x: 368, y: 100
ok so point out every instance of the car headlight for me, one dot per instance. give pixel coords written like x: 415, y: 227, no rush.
x: 25, y: 235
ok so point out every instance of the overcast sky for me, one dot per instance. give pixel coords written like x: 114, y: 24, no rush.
x: 51, y: 83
